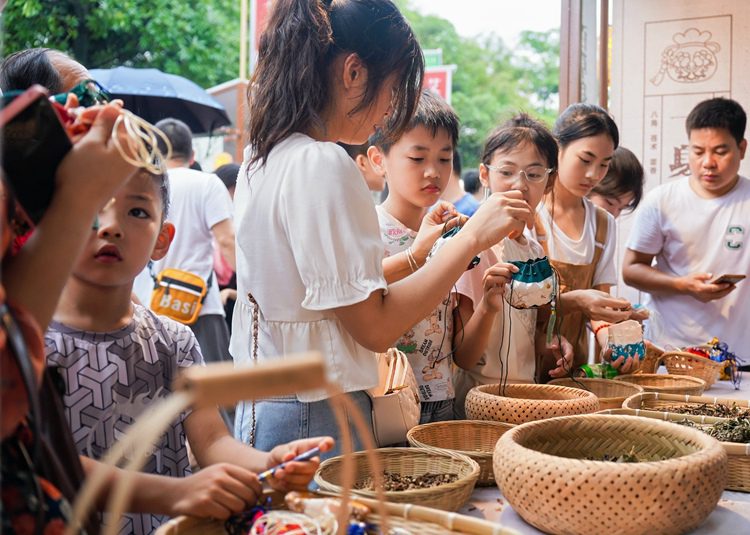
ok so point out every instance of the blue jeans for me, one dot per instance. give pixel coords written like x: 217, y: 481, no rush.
x: 436, y: 411
x: 281, y: 420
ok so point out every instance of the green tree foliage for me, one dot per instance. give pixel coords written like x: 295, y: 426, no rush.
x: 198, y: 40
x: 491, y: 81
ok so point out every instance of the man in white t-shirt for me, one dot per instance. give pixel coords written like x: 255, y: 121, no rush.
x: 201, y: 211
x: 697, y: 229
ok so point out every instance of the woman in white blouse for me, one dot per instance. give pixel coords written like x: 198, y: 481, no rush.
x: 309, y: 256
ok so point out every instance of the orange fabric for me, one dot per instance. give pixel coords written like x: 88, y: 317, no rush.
x: 12, y: 389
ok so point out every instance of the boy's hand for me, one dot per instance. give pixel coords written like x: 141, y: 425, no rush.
x: 296, y: 475
x: 94, y: 169
x: 697, y: 286
x: 217, y: 491
x: 563, y: 357
x: 501, y: 215
x: 494, y: 281
x: 440, y: 219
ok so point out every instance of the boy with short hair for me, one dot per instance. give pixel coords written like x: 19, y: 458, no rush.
x: 417, y: 167
x: 117, y: 357
x: 697, y: 229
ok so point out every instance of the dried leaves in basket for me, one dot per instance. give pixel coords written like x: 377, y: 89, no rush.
x: 734, y: 430
x: 718, y: 410
x: 399, y: 482
x: 630, y: 457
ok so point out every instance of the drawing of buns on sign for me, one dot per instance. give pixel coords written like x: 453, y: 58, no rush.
x: 691, y: 59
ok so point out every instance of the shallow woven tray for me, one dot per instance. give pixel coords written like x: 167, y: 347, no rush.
x: 541, y: 470
x: 738, y: 465
x: 525, y: 402
x: 684, y: 363
x: 657, y: 401
x: 474, y: 438
x: 611, y: 394
x: 665, y: 383
x: 413, y: 462
x: 412, y: 518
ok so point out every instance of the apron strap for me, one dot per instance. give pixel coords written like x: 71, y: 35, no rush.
x: 600, y: 236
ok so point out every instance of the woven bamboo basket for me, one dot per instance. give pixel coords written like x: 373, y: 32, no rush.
x: 412, y: 462
x: 611, y: 394
x: 474, y: 438
x: 656, y: 401
x: 411, y: 518
x: 738, y: 455
x: 525, y: 402
x: 651, y: 360
x: 543, y: 472
x: 684, y: 363
x: 665, y: 383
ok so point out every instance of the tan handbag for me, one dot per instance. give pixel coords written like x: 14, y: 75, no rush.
x: 395, y: 401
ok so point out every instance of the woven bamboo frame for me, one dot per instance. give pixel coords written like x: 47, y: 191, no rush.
x: 525, y: 402
x: 474, y: 438
x: 543, y: 472
x: 665, y: 383
x: 413, y: 462
x: 611, y: 394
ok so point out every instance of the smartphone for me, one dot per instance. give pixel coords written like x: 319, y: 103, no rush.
x: 34, y: 142
x: 728, y: 279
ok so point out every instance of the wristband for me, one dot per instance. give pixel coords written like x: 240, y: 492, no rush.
x: 600, y: 327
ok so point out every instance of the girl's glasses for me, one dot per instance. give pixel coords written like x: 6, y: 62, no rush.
x: 535, y: 174
x: 89, y: 93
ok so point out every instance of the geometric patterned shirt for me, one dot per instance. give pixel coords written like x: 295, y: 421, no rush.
x: 110, y: 379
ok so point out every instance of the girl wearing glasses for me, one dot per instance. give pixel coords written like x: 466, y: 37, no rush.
x: 521, y: 156
x: 578, y: 236
x: 309, y: 252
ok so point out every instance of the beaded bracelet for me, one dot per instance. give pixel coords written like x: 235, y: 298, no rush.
x: 600, y: 327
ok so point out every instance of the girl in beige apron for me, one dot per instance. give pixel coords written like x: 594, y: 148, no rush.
x: 587, y: 138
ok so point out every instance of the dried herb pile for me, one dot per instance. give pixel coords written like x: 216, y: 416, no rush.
x: 734, y: 430
x: 711, y: 409
x: 399, y: 482
x: 630, y: 457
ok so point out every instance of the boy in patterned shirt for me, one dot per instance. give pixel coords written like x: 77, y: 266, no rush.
x: 417, y: 167
x: 117, y: 357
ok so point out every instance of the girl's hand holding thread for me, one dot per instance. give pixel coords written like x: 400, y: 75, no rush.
x: 494, y: 281
x: 501, y: 215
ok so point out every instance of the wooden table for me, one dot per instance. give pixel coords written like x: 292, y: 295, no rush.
x: 731, y: 516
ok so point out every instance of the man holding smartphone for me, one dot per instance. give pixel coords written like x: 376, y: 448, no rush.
x: 698, y: 230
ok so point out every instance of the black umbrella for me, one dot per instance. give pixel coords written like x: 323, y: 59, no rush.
x: 154, y: 95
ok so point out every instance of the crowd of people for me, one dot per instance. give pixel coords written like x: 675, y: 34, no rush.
x: 296, y: 245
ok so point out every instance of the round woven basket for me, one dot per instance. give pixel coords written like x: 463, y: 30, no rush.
x: 474, y: 438
x: 525, y: 403
x: 543, y: 472
x: 684, y: 363
x: 651, y: 360
x: 611, y: 394
x: 412, y: 462
x: 665, y: 383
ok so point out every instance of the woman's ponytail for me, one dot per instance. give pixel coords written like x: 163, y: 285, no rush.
x: 290, y: 87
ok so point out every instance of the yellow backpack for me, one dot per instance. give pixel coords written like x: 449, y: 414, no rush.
x: 179, y: 294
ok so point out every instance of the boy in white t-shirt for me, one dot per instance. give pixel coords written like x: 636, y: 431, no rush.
x: 417, y: 167
x: 697, y: 229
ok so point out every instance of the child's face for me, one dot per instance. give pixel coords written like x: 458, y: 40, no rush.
x: 613, y: 205
x: 524, y: 157
x: 584, y: 163
x: 130, y: 233
x: 714, y: 160
x: 418, y: 166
